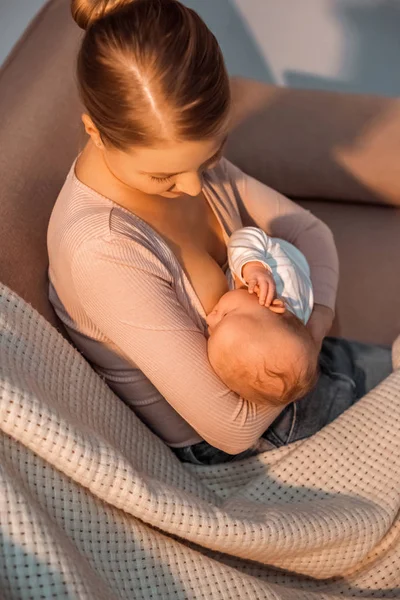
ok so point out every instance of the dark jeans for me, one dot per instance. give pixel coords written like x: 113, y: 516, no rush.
x: 348, y: 370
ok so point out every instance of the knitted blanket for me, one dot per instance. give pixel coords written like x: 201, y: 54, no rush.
x: 94, y: 506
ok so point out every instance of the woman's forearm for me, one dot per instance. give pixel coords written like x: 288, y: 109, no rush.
x: 280, y: 217
x: 320, y: 251
x: 320, y: 323
x: 315, y: 240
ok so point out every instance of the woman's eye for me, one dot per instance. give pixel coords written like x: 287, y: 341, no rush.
x: 160, y: 179
x: 213, y: 163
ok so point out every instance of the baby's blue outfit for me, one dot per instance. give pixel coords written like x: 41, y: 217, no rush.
x: 287, y: 264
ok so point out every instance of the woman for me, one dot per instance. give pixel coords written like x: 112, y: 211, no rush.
x: 137, y: 239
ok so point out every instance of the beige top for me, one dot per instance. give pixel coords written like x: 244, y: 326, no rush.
x: 131, y: 309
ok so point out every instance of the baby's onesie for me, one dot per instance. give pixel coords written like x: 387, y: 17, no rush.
x: 287, y: 264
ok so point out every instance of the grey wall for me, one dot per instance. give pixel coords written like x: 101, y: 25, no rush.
x: 345, y: 45
x: 242, y: 52
x: 15, y: 15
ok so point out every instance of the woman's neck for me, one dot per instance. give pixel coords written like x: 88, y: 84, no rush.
x: 93, y: 171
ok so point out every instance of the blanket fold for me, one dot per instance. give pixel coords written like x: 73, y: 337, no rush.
x: 97, y: 506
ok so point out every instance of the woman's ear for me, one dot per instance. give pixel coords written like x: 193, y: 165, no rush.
x: 92, y: 131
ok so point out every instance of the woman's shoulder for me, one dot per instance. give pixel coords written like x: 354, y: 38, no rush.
x: 224, y: 184
x: 83, y: 222
x: 225, y: 174
x: 76, y: 206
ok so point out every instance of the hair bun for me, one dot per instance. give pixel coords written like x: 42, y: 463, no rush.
x: 86, y: 12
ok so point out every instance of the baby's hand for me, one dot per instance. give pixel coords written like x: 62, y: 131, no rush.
x: 260, y: 281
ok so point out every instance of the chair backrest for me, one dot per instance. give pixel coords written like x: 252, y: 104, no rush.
x: 40, y: 134
x: 317, y: 144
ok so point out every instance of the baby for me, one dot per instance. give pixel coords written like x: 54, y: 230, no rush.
x: 262, y: 349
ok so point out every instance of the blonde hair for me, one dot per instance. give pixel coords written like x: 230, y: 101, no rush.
x: 150, y: 71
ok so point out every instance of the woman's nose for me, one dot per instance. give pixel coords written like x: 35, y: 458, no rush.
x: 190, y: 184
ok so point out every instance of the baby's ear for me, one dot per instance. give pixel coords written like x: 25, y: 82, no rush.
x: 277, y: 306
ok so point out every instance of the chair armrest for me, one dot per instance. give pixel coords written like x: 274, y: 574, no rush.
x: 315, y: 144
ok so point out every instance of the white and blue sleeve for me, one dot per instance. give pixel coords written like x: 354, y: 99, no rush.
x: 287, y: 264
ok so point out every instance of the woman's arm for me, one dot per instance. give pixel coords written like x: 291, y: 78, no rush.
x: 320, y: 323
x: 278, y: 216
x: 133, y: 303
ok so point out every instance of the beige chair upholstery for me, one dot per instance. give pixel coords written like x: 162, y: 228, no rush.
x: 311, y: 144
x: 39, y: 137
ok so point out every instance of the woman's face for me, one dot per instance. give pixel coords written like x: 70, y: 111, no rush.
x: 168, y: 170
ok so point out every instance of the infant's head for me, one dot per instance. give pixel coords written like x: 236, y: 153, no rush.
x: 263, y: 356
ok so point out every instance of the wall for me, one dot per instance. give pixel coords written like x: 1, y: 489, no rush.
x: 345, y: 45
x: 15, y: 15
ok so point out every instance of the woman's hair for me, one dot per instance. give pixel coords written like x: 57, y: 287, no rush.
x: 150, y: 71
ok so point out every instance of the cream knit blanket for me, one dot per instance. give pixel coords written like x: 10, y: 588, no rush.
x: 93, y: 506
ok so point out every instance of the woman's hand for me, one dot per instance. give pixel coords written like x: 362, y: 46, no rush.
x: 320, y: 323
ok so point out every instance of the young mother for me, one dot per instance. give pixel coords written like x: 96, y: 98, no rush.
x: 137, y: 239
